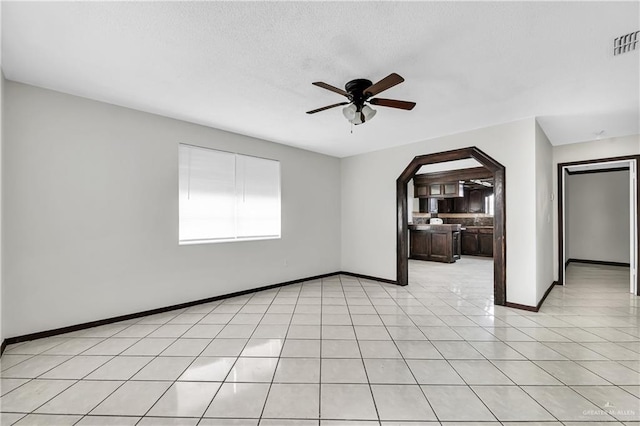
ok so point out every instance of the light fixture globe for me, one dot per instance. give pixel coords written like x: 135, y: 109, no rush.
x: 349, y: 112
x: 368, y: 112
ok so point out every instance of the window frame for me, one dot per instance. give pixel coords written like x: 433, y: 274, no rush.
x: 236, y: 238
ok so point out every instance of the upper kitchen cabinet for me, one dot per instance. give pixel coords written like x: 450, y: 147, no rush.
x: 476, y: 201
x: 423, y: 188
x: 446, y: 184
x: 446, y: 190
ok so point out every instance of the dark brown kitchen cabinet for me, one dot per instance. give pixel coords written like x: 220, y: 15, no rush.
x: 485, y: 243
x: 445, y: 205
x: 469, y: 242
x: 476, y: 201
x: 460, y: 205
x: 457, y: 249
x: 428, y: 205
x: 437, y: 190
x: 420, y: 191
x: 439, y: 244
x: 477, y: 242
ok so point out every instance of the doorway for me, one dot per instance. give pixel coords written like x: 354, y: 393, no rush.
x: 567, y: 172
x: 499, y: 234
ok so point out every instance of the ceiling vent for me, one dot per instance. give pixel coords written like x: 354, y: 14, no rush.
x: 626, y: 43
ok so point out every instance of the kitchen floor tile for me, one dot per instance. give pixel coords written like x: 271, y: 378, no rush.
x: 379, y: 349
x: 390, y: 371
x: 225, y: 347
x: 457, y: 350
x: 294, y: 348
x: 293, y: 401
x: 132, y: 399
x: 120, y: 368
x: 304, y: 332
x: 445, y: 401
x: 185, y: 399
x: 343, y: 371
x: 612, y: 371
x: 80, y: 398
x: 434, y: 372
x: 48, y: 420
x: 164, y: 368
x: 263, y: 348
x: 208, y: 369
x: 76, y: 368
x: 338, y: 332
x: 340, y: 349
x: 347, y: 402
x: 526, y: 373
x: 239, y: 400
x: 113, y: 346
x: 477, y: 372
x: 108, y: 421
x: 253, y: 370
x: 570, y: 373
x: 7, y: 385
x: 34, y: 367
x: 298, y: 370
x: 510, y: 403
x: 31, y: 395
x: 565, y: 404
x: 400, y: 403
x: 149, y: 347
x: 186, y: 347
x: 420, y: 349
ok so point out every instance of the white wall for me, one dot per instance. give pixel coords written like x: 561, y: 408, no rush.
x: 598, y: 216
x: 91, y: 214
x: 369, y: 237
x: 1, y: 220
x: 605, y: 148
x: 544, y: 213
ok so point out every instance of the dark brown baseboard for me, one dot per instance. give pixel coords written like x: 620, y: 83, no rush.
x: 369, y: 277
x: 598, y: 262
x: 77, y: 327
x: 532, y: 308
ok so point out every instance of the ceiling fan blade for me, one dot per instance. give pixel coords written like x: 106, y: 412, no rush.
x: 330, y: 87
x: 392, y: 103
x: 327, y: 107
x: 384, y: 84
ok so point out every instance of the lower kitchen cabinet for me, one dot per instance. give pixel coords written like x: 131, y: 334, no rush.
x: 485, y: 243
x: 477, y: 242
x: 439, y: 243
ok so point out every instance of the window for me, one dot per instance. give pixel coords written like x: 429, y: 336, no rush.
x: 489, y: 202
x: 227, y: 197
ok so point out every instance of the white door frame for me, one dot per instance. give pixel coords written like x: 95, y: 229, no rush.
x: 632, y: 163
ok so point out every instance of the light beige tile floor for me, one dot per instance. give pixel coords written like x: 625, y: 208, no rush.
x: 347, y: 351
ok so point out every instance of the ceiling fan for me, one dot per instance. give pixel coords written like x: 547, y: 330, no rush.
x: 359, y: 92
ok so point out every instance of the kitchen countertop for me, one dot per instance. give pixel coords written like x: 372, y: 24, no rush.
x: 426, y: 227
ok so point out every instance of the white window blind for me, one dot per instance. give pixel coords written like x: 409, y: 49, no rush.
x: 225, y: 196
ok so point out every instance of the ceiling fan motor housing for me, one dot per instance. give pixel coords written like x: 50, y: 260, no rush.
x: 356, y: 89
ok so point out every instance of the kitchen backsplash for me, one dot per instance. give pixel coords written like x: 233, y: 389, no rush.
x: 467, y: 220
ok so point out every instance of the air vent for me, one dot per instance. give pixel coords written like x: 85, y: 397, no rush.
x: 626, y: 43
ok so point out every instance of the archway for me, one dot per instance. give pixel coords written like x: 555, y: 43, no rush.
x: 499, y: 231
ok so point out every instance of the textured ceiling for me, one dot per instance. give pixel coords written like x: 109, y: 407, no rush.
x: 248, y: 67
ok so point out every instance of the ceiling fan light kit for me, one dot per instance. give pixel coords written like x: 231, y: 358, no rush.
x: 359, y: 92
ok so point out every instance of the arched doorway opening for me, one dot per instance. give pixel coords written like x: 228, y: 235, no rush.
x: 499, y: 233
